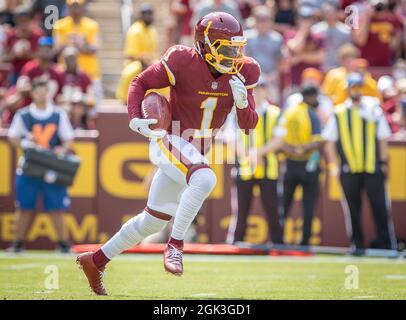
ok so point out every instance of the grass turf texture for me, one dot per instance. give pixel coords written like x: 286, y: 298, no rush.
x: 206, y: 277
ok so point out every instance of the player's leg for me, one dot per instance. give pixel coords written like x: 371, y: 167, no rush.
x: 27, y: 190
x: 163, y: 197
x: 161, y: 206
x: 181, y: 161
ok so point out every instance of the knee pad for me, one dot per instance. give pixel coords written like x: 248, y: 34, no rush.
x: 204, y: 179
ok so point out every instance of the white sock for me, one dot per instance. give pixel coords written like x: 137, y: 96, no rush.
x: 132, y: 232
x: 201, y: 184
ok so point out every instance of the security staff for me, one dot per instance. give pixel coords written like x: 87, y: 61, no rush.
x: 357, y: 138
x: 43, y: 125
x: 302, y: 142
x: 256, y: 167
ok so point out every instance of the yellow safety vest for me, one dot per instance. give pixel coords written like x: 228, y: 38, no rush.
x: 257, y: 139
x: 357, y: 144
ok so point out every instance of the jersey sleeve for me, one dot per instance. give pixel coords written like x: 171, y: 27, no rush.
x: 154, y: 77
x: 17, y: 128
x: 173, y: 60
x: 248, y: 118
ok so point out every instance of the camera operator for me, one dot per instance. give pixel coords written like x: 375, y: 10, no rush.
x: 41, y: 124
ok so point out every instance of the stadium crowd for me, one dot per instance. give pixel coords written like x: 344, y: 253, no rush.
x: 63, y: 53
x: 300, y: 44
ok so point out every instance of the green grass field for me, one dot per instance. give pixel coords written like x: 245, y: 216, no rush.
x: 206, y: 277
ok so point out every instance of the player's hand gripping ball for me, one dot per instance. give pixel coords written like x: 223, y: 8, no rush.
x: 156, y: 116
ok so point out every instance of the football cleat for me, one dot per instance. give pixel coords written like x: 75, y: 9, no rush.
x: 93, y: 274
x: 173, y: 260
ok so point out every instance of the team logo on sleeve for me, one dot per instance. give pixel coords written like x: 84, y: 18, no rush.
x: 214, y: 85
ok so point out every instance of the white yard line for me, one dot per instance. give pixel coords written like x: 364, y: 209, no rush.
x: 215, y: 258
x: 21, y: 266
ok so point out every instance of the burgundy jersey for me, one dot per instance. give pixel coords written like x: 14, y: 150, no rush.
x: 72, y: 82
x: 198, y: 100
x: 13, y: 40
x: 382, y: 30
x: 33, y: 69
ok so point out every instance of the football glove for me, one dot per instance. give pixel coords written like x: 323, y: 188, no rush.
x: 239, y: 93
x: 141, y: 126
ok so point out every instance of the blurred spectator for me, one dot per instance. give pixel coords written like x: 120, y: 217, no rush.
x: 81, y: 32
x: 246, y: 7
x: 399, y: 69
x: 379, y: 35
x: 208, y: 6
x: 78, y: 112
x: 27, y: 130
x: 142, y: 38
x: 302, y: 144
x: 130, y: 71
x: 4, y: 28
x: 334, y: 84
x: 285, y: 15
x: 333, y: 33
x: 21, y: 43
x: 387, y: 88
x: 41, y: 7
x: 16, y: 97
x: 313, y: 77
x: 264, y: 45
x: 182, y: 12
x: 8, y: 8
x: 346, y: 55
x: 346, y: 3
x: 257, y: 165
x: 74, y: 80
x: 44, y: 67
x: 357, y: 150
x: 369, y: 84
x: 305, y: 49
x: 395, y: 108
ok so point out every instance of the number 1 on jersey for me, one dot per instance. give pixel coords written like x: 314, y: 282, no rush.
x: 208, y: 106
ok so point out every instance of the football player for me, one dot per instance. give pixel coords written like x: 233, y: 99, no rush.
x: 205, y: 83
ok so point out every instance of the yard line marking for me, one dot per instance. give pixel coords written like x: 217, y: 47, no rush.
x: 395, y: 276
x: 364, y: 297
x: 21, y: 266
x: 203, y: 295
x: 218, y: 258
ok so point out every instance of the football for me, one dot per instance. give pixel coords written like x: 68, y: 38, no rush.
x: 155, y: 106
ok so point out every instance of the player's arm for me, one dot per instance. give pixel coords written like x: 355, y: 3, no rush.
x: 154, y: 77
x: 247, y: 117
x: 244, y: 98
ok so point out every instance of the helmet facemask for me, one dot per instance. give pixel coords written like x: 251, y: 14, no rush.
x: 226, y: 56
